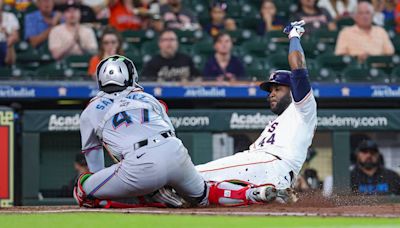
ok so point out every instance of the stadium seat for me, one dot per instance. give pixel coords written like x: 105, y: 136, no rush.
x: 52, y: 71
x: 395, y: 77
x: 138, y: 37
x: 255, y: 68
x: 5, y: 72
x: 248, y: 10
x: 234, y: 10
x: 385, y: 63
x: 276, y: 37
x: 277, y: 62
x: 78, y: 62
x: 200, y: 61
x: 189, y: 37
x: 325, y: 36
x: 256, y: 48
x: 362, y: 74
x: 251, y: 23
x: 336, y: 63
x: 344, y: 22
x: 185, y: 48
x: 149, y: 48
x: 203, y: 48
x: 241, y: 35
x: 396, y: 44
x: 318, y: 74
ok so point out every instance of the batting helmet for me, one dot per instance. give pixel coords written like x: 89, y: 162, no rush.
x: 116, y: 73
x: 280, y: 77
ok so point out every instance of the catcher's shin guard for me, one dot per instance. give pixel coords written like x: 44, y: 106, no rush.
x: 80, y: 194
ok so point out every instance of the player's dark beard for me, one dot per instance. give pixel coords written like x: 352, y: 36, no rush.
x: 368, y: 165
x: 282, y: 104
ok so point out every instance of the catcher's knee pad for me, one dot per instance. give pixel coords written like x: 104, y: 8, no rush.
x: 80, y: 194
x: 226, y: 193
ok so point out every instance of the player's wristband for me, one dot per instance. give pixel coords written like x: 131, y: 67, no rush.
x: 295, y: 45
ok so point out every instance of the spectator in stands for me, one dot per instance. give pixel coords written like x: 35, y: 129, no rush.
x: 169, y: 65
x: 369, y: 176
x: 223, y: 66
x: 397, y: 17
x: 39, y: 23
x: 176, y: 16
x: 9, y: 35
x: 270, y: 21
x: 363, y: 39
x: 124, y: 15
x: 383, y: 11
x: 20, y: 5
x: 110, y: 44
x: 87, y: 13
x: 315, y: 17
x: 339, y: 9
x: 219, y: 22
x: 71, y: 38
x: 100, y: 8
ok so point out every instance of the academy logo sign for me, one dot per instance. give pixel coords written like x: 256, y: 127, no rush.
x: 64, y: 123
x: 250, y: 121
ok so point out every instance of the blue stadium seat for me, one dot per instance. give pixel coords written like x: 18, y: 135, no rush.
x: 363, y: 74
x: 336, y: 63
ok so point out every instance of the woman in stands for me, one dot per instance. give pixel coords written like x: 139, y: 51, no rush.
x: 110, y: 44
x: 270, y: 21
x: 315, y: 17
x: 223, y: 66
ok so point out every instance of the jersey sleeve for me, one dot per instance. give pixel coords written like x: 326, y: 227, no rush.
x: 302, y: 93
x: 91, y: 145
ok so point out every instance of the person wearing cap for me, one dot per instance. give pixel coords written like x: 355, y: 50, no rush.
x: 219, y: 22
x: 369, y: 176
x: 71, y: 37
x: 279, y: 153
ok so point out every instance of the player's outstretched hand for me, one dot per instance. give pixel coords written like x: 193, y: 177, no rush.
x: 295, y: 29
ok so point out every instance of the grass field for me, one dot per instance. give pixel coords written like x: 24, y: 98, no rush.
x: 130, y: 220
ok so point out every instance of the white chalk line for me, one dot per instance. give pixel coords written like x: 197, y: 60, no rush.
x: 203, y: 213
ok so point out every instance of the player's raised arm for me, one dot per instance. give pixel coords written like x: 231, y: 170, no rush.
x: 299, y: 83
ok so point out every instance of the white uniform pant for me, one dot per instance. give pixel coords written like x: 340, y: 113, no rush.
x: 164, y: 161
x: 257, y: 168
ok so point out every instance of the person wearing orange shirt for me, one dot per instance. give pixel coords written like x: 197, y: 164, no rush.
x: 124, y: 15
x: 110, y: 44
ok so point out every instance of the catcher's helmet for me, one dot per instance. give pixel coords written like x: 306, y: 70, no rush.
x: 280, y: 77
x: 116, y: 73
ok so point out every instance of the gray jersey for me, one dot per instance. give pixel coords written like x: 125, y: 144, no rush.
x: 114, y: 120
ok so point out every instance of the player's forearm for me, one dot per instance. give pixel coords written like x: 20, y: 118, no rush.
x: 296, y: 55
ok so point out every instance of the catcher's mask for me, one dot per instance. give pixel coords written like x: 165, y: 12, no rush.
x: 280, y: 77
x: 116, y: 73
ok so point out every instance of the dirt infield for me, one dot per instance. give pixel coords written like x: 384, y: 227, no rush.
x: 313, y: 206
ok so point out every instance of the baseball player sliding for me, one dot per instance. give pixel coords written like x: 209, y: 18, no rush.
x: 278, y: 154
x: 135, y: 129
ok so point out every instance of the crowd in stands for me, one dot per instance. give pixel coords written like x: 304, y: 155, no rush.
x: 216, y: 40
